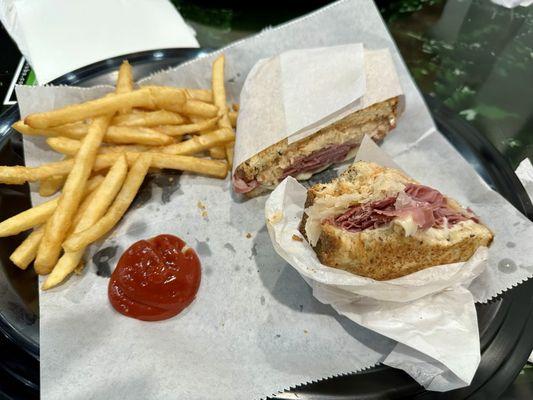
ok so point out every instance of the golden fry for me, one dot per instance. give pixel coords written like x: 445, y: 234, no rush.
x: 148, y: 118
x: 60, y: 222
x: 180, y: 130
x: 214, y: 168
x: 199, y: 143
x: 25, y: 253
x: 77, y: 130
x: 127, y: 135
x: 39, y: 214
x: 50, y: 186
x: 125, y: 78
x: 103, y: 198
x: 144, y: 98
x: 78, y: 241
x: 90, y: 109
x: 233, y: 118
x: 70, y: 147
x: 195, y: 94
x: 114, y: 134
x: 217, y: 153
x: 196, y: 107
x: 200, y: 94
x: 219, y: 98
x: 19, y: 175
x: 74, y: 131
x: 229, y: 152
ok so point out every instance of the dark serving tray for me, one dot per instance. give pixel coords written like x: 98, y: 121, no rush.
x: 505, y: 323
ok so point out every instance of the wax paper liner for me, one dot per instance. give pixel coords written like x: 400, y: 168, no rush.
x: 430, y: 311
x: 77, y: 318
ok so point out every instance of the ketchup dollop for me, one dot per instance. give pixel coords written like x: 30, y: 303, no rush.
x: 155, y: 279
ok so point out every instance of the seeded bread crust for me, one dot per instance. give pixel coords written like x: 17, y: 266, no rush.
x: 267, y: 166
x: 386, y: 253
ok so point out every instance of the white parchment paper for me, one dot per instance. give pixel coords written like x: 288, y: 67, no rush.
x: 295, y: 94
x: 255, y: 328
x: 430, y: 313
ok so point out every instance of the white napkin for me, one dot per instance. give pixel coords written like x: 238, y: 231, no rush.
x: 58, y: 36
x: 513, y: 3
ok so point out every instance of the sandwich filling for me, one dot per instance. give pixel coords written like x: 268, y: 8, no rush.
x: 313, y: 162
x: 417, y: 207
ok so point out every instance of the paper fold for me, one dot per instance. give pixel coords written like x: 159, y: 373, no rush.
x: 430, y: 312
x: 294, y: 94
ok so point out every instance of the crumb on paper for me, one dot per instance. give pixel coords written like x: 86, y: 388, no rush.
x: 305, y: 331
x: 248, y: 235
x: 275, y: 217
x: 79, y: 269
x: 200, y: 205
x: 204, y: 214
x: 297, y: 238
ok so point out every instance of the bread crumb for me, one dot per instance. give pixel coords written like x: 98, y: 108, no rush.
x: 305, y: 331
x: 200, y: 205
x: 275, y: 218
x: 297, y: 238
x: 248, y: 235
x: 184, y: 249
x: 204, y: 214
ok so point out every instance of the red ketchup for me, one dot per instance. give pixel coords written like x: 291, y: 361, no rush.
x: 155, y: 279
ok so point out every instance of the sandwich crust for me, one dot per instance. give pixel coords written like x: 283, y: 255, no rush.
x: 386, y: 252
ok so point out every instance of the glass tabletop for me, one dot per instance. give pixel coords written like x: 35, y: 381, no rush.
x: 474, y: 56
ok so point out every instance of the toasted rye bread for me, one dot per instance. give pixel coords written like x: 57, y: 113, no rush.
x: 386, y: 252
x: 267, y: 166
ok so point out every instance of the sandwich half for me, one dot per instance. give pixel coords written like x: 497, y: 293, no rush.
x: 330, y: 145
x: 379, y: 223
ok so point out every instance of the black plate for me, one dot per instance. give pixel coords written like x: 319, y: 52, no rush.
x: 506, y: 323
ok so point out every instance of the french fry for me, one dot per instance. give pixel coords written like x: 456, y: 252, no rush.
x: 127, y: 135
x: 144, y: 98
x: 199, y: 143
x: 124, y: 82
x: 90, y: 109
x: 114, y: 134
x: 39, y: 214
x: 25, y: 253
x: 219, y: 98
x: 50, y: 186
x: 214, y: 168
x: 233, y: 118
x: 229, y: 152
x: 148, y: 118
x: 125, y: 78
x: 194, y: 107
x: 104, y: 196
x: 74, y: 131
x: 197, y: 94
x: 79, y: 240
x: 217, y: 153
x: 180, y: 130
x: 19, y: 175
x: 200, y: 94
x: 70, y: 147
x: 60, y: 221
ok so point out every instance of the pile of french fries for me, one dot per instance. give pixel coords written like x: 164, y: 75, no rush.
x: 109, y: 145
